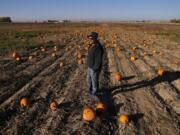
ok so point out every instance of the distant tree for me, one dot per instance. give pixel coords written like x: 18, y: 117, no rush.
x: 52, y: 21
x: 175, y: 20
x: 66, y: 21
x: 5, y: 19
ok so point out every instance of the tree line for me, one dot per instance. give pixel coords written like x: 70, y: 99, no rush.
x: 5, y: 19
x: 175, y: 20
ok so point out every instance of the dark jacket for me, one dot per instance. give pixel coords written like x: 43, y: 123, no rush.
x: 94, y: 57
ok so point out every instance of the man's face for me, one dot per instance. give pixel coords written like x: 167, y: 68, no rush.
x: 91, y: 41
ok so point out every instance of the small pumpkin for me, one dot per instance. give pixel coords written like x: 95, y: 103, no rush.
x: 88, y: 114
x: 80, y: 61
x: 61, y: 64
x: 24, y: 102
x: 79, y: 56
x: 53, y: 105
x: 132, y: 58
x: 30, y: 57
x: 18, y: 58
x: 154, y: 51
x: 101, y: 106
x: 145, y: 53
x: 160, y: 72
x: 117, y: 76
x: 15, y: 54
x: 67, y: 49
x: 134, y: 48
x: 123, y: 119
x: 43, y: 49
x: 117, y: 49
x: 55, y: 49
x: 53, y: 54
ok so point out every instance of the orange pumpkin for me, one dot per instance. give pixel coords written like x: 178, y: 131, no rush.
x: 67, y: 49
x: 101, y: 106
x: 145, y: 53
x: 43, y: 49
x: 55, y: 49
x: 160, y: 72
x: 117, y: 49
x: 117, y: 76
x: 132, y: 58
x: 30, y: 57
x: 24, y: 102
x: 79, y: 56
x: 61, y: 64
x: 53, y: 54
x: 154, y: 51
x: 80, y: 61
x: 134, y: 48
x: 17, y: 58
x: 123, y: 119
x: 88, y: 114
x: 14, y: 55
x: 53, y: 105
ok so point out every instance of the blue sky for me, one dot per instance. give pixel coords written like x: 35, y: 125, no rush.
x: 30, y: 10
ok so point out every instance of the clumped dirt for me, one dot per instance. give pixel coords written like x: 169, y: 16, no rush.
x: 150, y: 101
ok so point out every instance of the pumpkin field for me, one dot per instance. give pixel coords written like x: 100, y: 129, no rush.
x: 43, y: 88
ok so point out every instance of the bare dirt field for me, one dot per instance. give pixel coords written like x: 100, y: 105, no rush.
x: 136, y: 51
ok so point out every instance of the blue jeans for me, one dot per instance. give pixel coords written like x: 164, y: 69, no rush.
x: 92, y: 81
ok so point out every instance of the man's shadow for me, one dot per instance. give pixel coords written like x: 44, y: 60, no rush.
x: 105, y: 95
x: 167, y: 77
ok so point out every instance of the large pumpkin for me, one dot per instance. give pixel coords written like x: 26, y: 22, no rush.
x: 53, y: 105
x: 123, y: 119
x: 24, y: 102
x: 88, y: 114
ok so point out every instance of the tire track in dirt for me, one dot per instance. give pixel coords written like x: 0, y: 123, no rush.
x: 167, y: 91
x: 22, y: 78
x: 68, y: 119
x: 29, y: 88
x: 14, y: 63
x: 40, y: 107
x: 125, y: 102
x: 157, y: 63
x: 56, y: 118
x: 164, y: 62
x: 26, y: 75
x: 154, y: 61
x: 151, y: 89
x: 50, y: 94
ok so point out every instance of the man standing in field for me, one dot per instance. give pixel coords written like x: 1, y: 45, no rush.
x: 94, y: 63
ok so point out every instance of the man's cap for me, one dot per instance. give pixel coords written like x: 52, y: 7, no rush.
x: 93, y: 35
